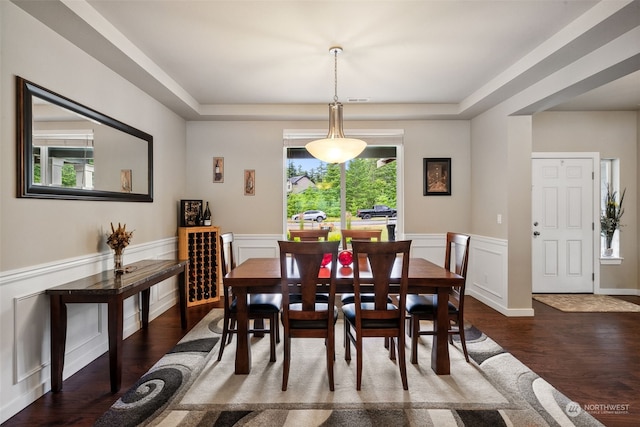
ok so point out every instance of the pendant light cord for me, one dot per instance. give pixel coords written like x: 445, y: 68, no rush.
x: 335, y: 76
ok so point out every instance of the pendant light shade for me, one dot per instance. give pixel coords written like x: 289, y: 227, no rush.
x: 335, y: 148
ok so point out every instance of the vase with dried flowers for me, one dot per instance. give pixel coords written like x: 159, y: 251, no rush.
x: 610, y: 217
x: 118, y: 240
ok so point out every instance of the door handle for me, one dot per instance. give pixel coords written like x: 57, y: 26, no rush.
x: 536, y: 233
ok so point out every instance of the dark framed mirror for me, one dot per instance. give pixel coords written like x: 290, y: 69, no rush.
x: 69, y: 151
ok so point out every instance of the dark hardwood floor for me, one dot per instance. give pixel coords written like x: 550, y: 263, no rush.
x: 593, y: 358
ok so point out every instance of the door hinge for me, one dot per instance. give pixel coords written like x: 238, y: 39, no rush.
x: 593, y: 277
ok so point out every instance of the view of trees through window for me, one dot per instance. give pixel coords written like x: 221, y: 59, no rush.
x: 68, y: 175
x: 368, y: 182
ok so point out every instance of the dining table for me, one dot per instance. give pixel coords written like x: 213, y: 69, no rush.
x: 262, y: 275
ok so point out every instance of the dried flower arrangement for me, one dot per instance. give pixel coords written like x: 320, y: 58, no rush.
x: 119, y: 238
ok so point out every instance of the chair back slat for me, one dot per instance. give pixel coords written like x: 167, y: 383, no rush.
x: 309, y: 235
x: 359, y: 235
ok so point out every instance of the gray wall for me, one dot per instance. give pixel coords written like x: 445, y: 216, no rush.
x: 40, y: 231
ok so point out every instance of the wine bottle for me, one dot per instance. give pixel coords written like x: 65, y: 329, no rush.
x: 207, y: 215
x: 217, y: 171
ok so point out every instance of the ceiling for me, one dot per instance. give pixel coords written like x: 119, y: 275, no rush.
x: 402, y: 59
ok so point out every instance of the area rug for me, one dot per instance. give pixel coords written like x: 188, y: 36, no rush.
x: 586, y: 303
x: 189, y: 387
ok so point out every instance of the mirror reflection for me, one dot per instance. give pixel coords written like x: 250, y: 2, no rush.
x: 70, y: 151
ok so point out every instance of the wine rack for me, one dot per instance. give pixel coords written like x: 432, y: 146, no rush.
x: 200, y: 245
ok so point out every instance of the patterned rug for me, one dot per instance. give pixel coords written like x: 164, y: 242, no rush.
x: 586, y: 303
x: 189, y: 387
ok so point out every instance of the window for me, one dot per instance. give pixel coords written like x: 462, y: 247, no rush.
x: 340, y: 190
x: 609, y: 179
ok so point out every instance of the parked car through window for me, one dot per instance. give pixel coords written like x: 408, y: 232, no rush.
x: 318, y: 216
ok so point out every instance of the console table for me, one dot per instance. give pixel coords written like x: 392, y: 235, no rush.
x: 112, y: 289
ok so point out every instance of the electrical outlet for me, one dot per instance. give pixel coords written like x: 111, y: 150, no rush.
x: 499, y: 219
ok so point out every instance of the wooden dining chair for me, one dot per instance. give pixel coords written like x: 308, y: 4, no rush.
x: 260, y: 306
x: 309, y: 235
x: 349, y: 234
x: 378, y: 318
x: 425, y: 307
x: 308, y: 318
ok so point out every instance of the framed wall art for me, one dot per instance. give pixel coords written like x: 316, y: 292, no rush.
x: 126, y: 185
x: 218, y: 169
x: 249, y: 182
x: 437, y: 176
x: 190, y: 211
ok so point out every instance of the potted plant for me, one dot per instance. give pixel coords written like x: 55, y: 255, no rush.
x: 610, y: 217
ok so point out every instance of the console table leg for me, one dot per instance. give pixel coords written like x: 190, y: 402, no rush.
x: 115, y: 314
x: 182, y: 297
x: 144, y: 296
x: 58, y: 340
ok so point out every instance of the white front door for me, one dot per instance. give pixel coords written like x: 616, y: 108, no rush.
x: 562, y: 214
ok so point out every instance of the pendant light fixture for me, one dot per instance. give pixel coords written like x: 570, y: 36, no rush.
x: 335, y: 148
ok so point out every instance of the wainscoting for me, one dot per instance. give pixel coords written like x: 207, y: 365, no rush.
x: 25, y: 333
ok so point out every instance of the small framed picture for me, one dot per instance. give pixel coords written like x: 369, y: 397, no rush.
x: 125, y: 180
x: 190, y: 211
x: 218, y: 169
x: 437, y: 176
x: 249, y: 182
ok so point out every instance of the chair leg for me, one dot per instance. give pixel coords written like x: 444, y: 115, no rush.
x: 346, y: 337
x: 358, y: 362
x: 392, y: 347
x: 272, y: 339
x: 347, y: 341
x: 402, y: 363
x: 415, y: 335
x: 232, y: 325
x: 287, y: 360
x: 463, y: 341
x: 225, y: 333
x: 331, y: 356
